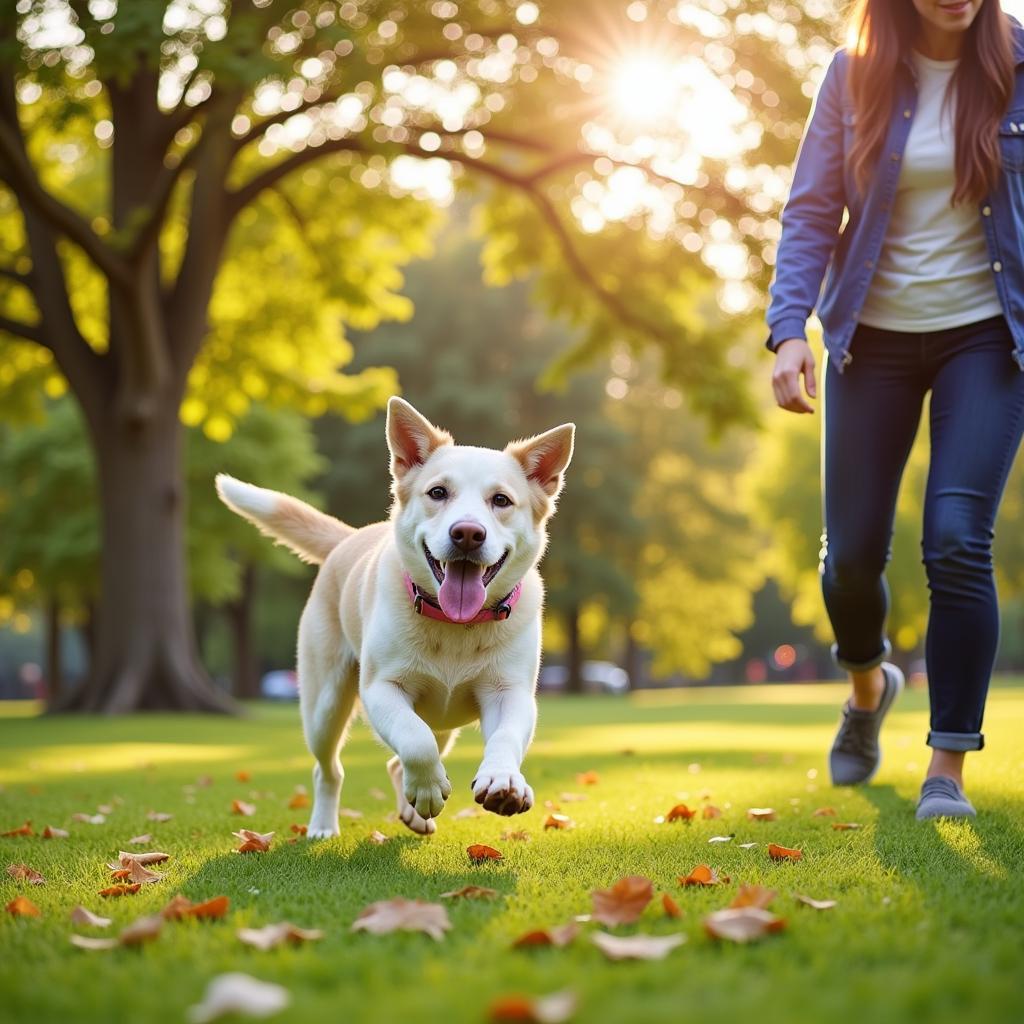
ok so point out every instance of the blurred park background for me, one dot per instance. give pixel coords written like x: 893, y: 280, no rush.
x: 232, y: 230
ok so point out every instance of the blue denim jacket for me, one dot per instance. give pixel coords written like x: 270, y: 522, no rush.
x: 812, y: 238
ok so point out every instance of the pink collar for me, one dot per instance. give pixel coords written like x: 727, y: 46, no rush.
x: 424, y: 604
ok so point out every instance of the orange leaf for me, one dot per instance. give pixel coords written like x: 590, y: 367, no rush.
x: 559, y: 821
x: 762, y: 814
x: 22, y: 906
x: 783, y: 853
x: 752, y: 896
x: 553, y: 1009
x: 624, y: 902
x: 846, y: 826
x: 680, y: 813
x: 743, y: 924
x: 702, y: 874
x: 470, y: 892
x: 710, y: 811
x: 478, y: 852
x: 241, y: 807
x: 210, y: 909
x: 120, y: 873
x: 300, y: 830
x: 242, y: 776
x: 253, y: 842
x: 670, y: 906
x: 298, y: 800
x: 824, y: 812
x: 589, y: 778
x: 121, y: 890
x: 558, y: 936
x: 24, y: 873
x: 50, y: 832
x: 386, y: 916
x: 22, y: 830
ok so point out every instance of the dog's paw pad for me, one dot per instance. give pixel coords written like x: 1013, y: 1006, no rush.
x: 505, y: 793
x: 416, y: 822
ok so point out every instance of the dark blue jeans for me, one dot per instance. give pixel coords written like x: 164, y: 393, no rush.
x: 872, y: 411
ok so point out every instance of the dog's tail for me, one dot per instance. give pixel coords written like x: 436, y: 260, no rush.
x: 309, y: 533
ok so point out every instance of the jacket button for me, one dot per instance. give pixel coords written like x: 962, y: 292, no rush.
x: 997, y: 266
x: 986, y: 211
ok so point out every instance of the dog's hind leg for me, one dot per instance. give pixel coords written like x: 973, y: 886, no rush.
x: 408, y: 814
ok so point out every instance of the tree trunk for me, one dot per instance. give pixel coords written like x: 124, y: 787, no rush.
x: 632, y: 660
x: 53, y: 679
x: 145, y: 655
x: 574, y: 680
x: 246, y: 680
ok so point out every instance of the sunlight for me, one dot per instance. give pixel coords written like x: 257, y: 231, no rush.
x: 642, y: 88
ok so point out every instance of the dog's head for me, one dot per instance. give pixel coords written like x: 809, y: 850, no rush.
x: 470, y: 522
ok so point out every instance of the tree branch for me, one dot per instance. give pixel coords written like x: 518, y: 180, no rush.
x: 16, y: 276
x: 30, y: 332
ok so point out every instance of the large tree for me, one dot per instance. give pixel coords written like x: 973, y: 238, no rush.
x: 140, y: 141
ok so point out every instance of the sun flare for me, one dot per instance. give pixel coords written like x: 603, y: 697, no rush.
x: 644, y: 88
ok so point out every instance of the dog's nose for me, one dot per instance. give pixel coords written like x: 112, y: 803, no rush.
x: 467, y: 535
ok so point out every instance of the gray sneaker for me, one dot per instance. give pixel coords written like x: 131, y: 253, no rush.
x: 855, y: 755
x: 942, y: 797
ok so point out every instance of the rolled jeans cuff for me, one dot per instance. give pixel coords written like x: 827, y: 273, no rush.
x: 956, y: 741
x: 862, y: 666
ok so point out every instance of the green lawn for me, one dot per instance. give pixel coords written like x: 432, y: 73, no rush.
x: 928, y: 925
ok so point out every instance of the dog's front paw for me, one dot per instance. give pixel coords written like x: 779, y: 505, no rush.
x: 321, y: 831
x: 503, y: 792
x: 426, y: 789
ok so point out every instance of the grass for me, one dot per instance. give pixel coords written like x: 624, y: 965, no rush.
x: 927, y: 927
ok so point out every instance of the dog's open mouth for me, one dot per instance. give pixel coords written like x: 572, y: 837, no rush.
x: 463, y: 584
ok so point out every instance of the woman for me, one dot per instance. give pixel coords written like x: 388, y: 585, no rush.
x: 917, y: 133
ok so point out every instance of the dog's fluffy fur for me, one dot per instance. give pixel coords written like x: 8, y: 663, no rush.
x: 419, y: 679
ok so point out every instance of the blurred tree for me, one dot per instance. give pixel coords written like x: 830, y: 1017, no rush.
x: 141, y: 141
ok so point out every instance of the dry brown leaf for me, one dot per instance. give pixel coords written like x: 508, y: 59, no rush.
x: 478, y: 852
x: 348, y: 812
x: 105, y: 809
x: 378, y: 837
x: 299, y: 799
x: 204, y: 780
x: 21, y: 830
x: 588, y: 778
x: 159, y: 816
x: 752, y: 896
x: 824, y: 812
x: 23, y: 873
x: 89, y: 819
x: 572, y: 798
x: 145, y: 929
x: 127, y: 858
x: 140, y: 840
x: 253, y: 842
x: 209, y: 910
x: 273, y: 935
x: 559, y: 936
x: 519, y: 835
x: 300, y: 830
x: 808, y: 901
x: 22, y: 906
x: 82, y: 916
x: 386, y: 916
x: 89, y: 942
x: 703, y: 874
x: 846, y: 826
x: 52, y: 832
x: 241, y: 807
x: 743, y: 924
x: 636, y: 947
x: 559, y: 821
x: 669, y: 905
x: 762, y: 814
x: 710, y: 811
x: 238, y: 993
x: 553, y: 1009
x: 121, y: 890
x: 624, y: 902
x: 470, y: 892
x: 138, y: 872
x: 120, y: 874
x: 777, y: 852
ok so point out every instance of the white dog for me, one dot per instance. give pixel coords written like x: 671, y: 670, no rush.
x: 432, y: 619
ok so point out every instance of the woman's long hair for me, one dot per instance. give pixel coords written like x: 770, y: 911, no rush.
x: 881, y: 34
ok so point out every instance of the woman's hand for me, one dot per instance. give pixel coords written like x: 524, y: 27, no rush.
x: 794, y: 358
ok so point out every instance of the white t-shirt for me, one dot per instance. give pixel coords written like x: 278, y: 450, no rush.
x: 933, y: 272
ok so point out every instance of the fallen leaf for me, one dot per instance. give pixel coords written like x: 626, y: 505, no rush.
x: 24, y: 873
x: 253, y: 842
x: 783, y: 853
x: 762, y: 814
x: 747, y: 846
x: 846, y: 826
x: 300, y: 830
x: 121, y: 874
x: 386, y: 916
x: 559, y: 821
x: 468, y: 812
x: 516, y: 836
x: 22, y: 830
x: 204, y: 780
x: 470, y: 892
x: 727, y: 839
x: 680, y: 813
x: 378, y: 837
x: 478, y: 852
x: 127, y: 858
x: 348, y: 812
x: 824, y: 812
x: 181, y: 907
x: 702, y: 874
x: 378, y: 794
x: 22, y: 906
x: 743, y: 924
x: 121, y: 890
x: 299, y: 799
x: 816, y: 904
x: 239, y: 993
x: 671, y: 908
x: 241, y: 807
x: 243, y: 776
x: 145, y: 929
x: 588, y: 778
x: 89, y: 942
x: 159, y: 816
x: 273, y: 935
x: 551, y: 805
x: 559, y: 936
x: 710, y: 811
x: 105, y: 809
x: 624, y: 902
x: 89, y: 819
x: 52, y: 832
x: 553, y: 1009
x: 636, y: 947
x: 140, y: 840
x: 82, y: 916
x: 752, y: 896
x: 572, y: 798
x: 138, y: 872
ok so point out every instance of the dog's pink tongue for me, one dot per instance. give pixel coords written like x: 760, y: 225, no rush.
x: 462, y: 594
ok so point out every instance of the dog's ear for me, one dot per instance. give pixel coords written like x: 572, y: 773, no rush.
x: 411, y: 437
x: 545, y: 457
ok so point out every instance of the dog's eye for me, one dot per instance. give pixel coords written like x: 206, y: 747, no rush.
x: 501, y: 500
x: 438, y: 493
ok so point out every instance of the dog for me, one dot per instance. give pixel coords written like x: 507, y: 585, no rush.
x: 430, y: 620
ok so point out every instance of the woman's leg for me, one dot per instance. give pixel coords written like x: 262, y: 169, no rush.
x: 977, y: 416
